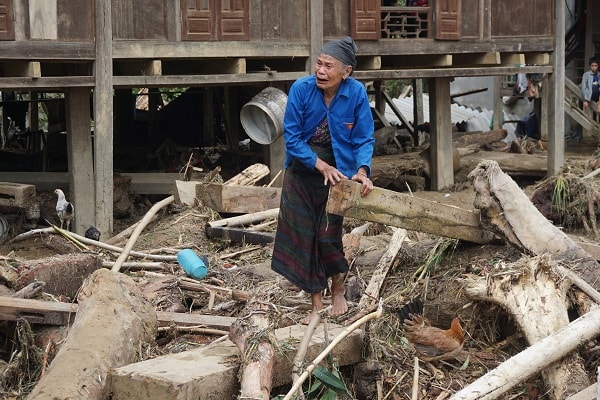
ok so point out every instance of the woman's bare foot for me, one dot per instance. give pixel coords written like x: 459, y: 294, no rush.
x: 339, y: 306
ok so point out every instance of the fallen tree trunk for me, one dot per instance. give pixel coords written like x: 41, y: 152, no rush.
x: 506, y: 210
x: 530, y: 361
x: 253, y: 335
x: 113, y: 320
x: 534, y: 292
x: 538, y: 289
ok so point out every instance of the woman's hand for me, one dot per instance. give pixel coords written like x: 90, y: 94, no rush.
x: 367, y: 184
x: 330, y: 174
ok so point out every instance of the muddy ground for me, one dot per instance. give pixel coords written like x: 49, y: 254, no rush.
x: 427, y: 267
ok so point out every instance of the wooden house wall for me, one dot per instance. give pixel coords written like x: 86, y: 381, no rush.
x: 336, y: 18
x: 264, y: 20
x: 279, y: 20
x: 472, y: 19
x: 75, y: 20
x: 141, y: 20
x: 522, y: 18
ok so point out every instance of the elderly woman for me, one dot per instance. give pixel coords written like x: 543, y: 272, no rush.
x: 328, y: 129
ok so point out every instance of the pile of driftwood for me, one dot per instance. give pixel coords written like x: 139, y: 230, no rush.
x: 533, y: 290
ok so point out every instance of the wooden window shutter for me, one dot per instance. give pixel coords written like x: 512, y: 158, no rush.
x: 233, y: 20
x: 7, y: 24
x: 365, y: 19
x: 448, y: 19
x: 198, y: 20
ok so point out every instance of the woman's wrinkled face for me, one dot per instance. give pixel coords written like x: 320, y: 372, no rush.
x: 330, y: 72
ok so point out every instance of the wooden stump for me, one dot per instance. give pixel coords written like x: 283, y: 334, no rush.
x: 113, y: 321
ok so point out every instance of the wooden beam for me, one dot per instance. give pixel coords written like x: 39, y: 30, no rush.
x: 513, y: 59
x: 29, y: 69
x: 441, y: 157
x: 431, y: 60
x: 537, y: 58
x: 397, y: 112
x: 153, y: 67
x: 390, y: 73
x: 490, y: 58
x: 369, y: 62
x: 405, y: 211
x: 144, y: 183
x: 103, y: 119
x: 315, y: 15
x: 556, y: 97
x: 139, y: 67
x: 239, y: 235
x: 60, y: 313
x: 238, y: 199
x: 211, y: 371
x: 80, y: 158
x: 37, y: 311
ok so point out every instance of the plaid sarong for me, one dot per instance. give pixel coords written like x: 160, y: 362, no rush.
x: 308, y: 243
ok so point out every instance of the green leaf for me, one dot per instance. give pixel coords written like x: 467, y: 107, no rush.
x: 329, y: 395
x: 329, y: 379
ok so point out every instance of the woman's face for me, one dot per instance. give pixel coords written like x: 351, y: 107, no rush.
x: 330, y: 72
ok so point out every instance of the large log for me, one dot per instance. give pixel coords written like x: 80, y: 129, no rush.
x: 530, y: 165
x: 480, y: 138
x: 113, y: 321
x: 253, y: 335
x: 506, y: 210
x: 536, y: 290
x: 385, y: 170
x: 405, y: 211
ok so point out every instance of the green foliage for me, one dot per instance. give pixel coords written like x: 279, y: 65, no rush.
x: 328, y: 385
x: 395, y: 87
x: 560, y: 196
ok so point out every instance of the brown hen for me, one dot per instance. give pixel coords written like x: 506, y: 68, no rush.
x: 431, y: 343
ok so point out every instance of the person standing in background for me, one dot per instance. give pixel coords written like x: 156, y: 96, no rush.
x: 328, y: 130
x: 590, y: 87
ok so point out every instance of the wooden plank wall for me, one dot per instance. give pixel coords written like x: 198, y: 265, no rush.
x: 279, y: 20
x: 75, y: 20
x: 522, y: 18
x: 134, y: 19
